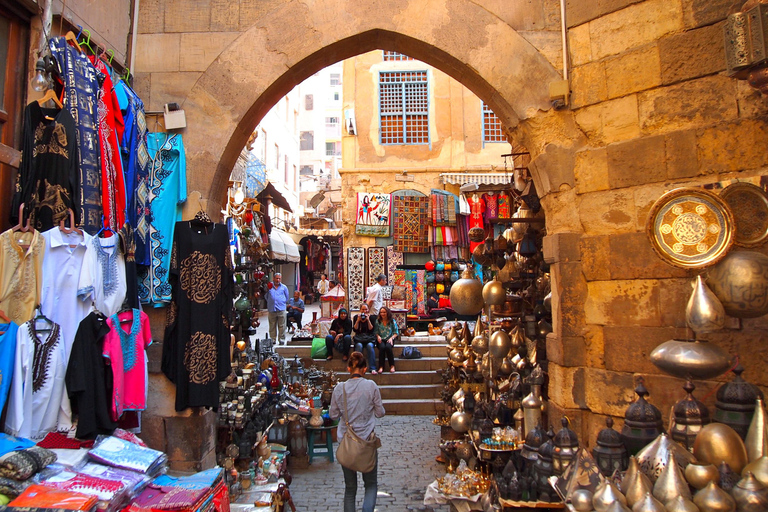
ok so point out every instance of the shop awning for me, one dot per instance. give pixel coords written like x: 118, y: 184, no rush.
x: 319, y: 232
x: 283, y: 247
x: 276, y: 197
x: 481, y: 178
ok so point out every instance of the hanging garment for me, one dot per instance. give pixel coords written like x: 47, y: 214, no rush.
x: 491, y: 206
x: 105, y: 283
x: 476, y: 219
x: 124, y: 352
x: 38, y: 382
x: 128, y: 248
x: 133, y: 148
x: 8, y: 333
x: 20, y: 273
x: 81, y: 84
x: 196, y: 348
x: 505, y: 205
x: 167, y: 191
x: 110, y: 130
x: 90, y: 391
x: 48, y: 172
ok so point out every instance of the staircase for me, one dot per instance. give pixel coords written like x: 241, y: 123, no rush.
x: 414, y: 389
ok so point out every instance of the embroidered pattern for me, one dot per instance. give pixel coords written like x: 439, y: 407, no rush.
x: 42, y: 358
x: 375, y: 264
x: 355, y: 276
x: 108, y: 264
x: 200, y: 277
x: 200, y: 358
x: 128, y: 339
x: 411, y: 230
x: 57, y: 143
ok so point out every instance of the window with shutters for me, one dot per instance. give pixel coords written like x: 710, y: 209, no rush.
x: 307, y: 141
x: 309, y: 102
x: 335, y: 79
x: 403, y: 107
x: 491, y: 126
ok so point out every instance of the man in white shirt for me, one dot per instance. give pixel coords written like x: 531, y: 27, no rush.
x: 375, y: 298
x: 323, y: 285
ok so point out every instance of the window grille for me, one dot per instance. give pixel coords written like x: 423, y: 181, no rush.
x: 404, y: 107
x: 307, y: 141
x: 335, y: 79
x: 390, y: 55
x: 309, y: 102
x: 491, y: 126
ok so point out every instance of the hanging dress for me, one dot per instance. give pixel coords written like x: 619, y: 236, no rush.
x: 196, y: 348
x: 126, y: 356
x: 167, y: 191
x: 21, y: 273
x: 505, y: 205
x: 81, y: 85
x: 8, y: 332
x: 105, y: 283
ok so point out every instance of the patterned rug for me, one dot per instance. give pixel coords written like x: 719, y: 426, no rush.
x: 376, y: 264
x: 373, y: 214
x: 355, y: 277
x: 411, y: 231
x: 420, y: 298
x: 394, y: 258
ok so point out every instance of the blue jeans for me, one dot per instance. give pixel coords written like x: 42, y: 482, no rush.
x: 368, y: 352
x: 342, y: 346
x: 370, y: 483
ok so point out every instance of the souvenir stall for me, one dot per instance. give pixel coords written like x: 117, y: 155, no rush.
x: 502, y: 451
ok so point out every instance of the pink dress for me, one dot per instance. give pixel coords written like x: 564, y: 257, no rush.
x: 124, y: 352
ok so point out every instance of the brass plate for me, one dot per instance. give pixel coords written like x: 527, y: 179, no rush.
x: 749, y: 205
x: 690, y: 227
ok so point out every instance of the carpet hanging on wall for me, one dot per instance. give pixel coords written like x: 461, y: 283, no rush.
x: 373, y: 214
x: 394, y: 258
x: 355, y: 277
x: 411, y: 230
x: 376, y: 265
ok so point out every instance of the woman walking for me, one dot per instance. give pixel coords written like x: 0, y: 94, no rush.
x: 363, y: 405
x: 386, y: 332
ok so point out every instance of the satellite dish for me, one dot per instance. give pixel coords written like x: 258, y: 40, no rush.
x: 317, y: 199
x: 330, y: 211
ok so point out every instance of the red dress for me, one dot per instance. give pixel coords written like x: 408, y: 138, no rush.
x: 476, y: 210
x: 505, y: 207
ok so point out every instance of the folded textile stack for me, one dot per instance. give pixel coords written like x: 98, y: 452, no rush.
x: 20, y: 460
x: 119, y: 453
x: 202, y: 491
x: 46, y: 497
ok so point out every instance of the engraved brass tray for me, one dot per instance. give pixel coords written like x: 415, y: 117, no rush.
x: 690, y: 227
x: 749, y: 205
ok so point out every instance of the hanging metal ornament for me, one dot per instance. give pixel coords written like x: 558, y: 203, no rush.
x: 757, y: 435
x: 500, y: 344
x: 704, y: 312
x: 467, y: 295
x: 494, y: 293
x: 671, y: 482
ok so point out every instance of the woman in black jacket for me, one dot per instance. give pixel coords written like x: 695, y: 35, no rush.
x: 340, y: 335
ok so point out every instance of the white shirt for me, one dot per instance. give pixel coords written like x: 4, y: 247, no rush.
x: 34, y: 414
x: 374, y: 294
x: 322, y: 286
x: 92, y: 284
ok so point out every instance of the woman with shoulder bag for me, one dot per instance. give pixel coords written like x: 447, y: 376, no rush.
x: 386, y: 331
x: 358, y: 403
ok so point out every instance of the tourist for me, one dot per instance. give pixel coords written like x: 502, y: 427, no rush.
x: 340, y: 335
x: 386, y: 332
x: 277, y: 299
x: 363, y: 406
x: 294, y: 311
x: 364, y: 337
x: 323, y: 285
x: 375, y: 297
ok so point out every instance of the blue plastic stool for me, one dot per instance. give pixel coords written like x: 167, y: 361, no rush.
x: 324, y: 451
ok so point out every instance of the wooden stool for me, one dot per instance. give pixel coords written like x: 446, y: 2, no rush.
x: 325, y: 451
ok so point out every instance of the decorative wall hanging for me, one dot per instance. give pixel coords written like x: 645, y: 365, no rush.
x: 690, y: 227
x: 355, y: 277
x: 412, y: 227
x: 373, y: 214
x: 394, y: 258
x: 376, y: 264
x: 749, y: 205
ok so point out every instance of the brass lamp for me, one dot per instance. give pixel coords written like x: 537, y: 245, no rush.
x: 746, y: 44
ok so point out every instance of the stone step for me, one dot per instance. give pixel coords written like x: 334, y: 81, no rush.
x: 304, y: 350
x: 419, y: 391
x: 339, y: 366
x: 413, y: 407
x: 404, y: 378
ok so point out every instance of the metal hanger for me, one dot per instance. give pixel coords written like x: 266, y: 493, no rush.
x: 41, y: 316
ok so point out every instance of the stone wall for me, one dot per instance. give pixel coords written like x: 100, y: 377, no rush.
x: 651, y: 110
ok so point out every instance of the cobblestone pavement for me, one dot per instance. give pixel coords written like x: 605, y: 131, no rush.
x: 406, y: 467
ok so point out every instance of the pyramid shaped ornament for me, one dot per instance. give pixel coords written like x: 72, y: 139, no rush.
x: 757, y: 435
x: 671, y: 482
x: 704, y: 312
x: 582, y: 473
x: 654, y: 458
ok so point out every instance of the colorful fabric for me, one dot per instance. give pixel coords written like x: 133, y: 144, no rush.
x: 169, y: 498
x: 47, y: 497
x: 20, y: 274
x: 11, y: 487
x: 58, y: 440
x: 491, y: 206
x: 411, y: 233
x: 101, y: 488
x: 125, y: 354
x: 394, y: 258
x: 505, y: 205
x: 373, y: 214
x: 22, y: 464
x: 202, y: 480
x: 376, y: 265
x: 355, y: 277
x: 410, y: 291
x: 8, y: 333
x: 130, y: 479
x: 420, y: 296
x: 167, y: 191
x: 81, y: 83
x: 9, y: 443
x: 119, y: 453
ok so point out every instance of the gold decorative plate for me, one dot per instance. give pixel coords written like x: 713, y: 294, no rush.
x: 749, y: 205
x: 690, y: 227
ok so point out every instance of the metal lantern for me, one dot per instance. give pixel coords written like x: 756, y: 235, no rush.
x: 543, y: 467
x: 610, y: 453
x: 298, y: 438
x: 642, y: 422
x: 690, y: 415
x: 566, y: 448
x: 735, y: 403
x: 533, y: 440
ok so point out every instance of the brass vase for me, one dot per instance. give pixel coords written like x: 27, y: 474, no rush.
x: 671, y: 482
x: 750, y: 494
x: 757, y: 436
x: 699, y: 474
x: 704, y: 312
x: 606, y: 494
x: 713, y: 499
x: 648, y: 504
x: 759, y: 468
x: 718, y: 443
x: 467, y: 294
x: 680, y: 504
x: 499, y: 344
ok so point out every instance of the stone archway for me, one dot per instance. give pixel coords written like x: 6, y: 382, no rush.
x: 295, y: 39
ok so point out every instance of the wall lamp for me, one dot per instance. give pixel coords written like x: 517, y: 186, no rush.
x: 746, y: 44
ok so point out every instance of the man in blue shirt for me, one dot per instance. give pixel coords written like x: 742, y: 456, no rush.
x: 295, y: 310
x: 277, y: 298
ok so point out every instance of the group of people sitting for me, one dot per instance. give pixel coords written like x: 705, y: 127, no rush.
x: 373, y: 328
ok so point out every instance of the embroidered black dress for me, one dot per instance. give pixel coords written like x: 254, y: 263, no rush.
x: 196, y: 348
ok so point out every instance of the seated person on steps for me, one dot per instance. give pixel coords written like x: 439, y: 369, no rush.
x: 365, y: 340
x: 386, y: 332
x: 295, y: 309
x: 340, y: 336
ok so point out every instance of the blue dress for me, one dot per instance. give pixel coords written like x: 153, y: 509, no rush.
x: 7, y: 355
x: 167, y: 192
